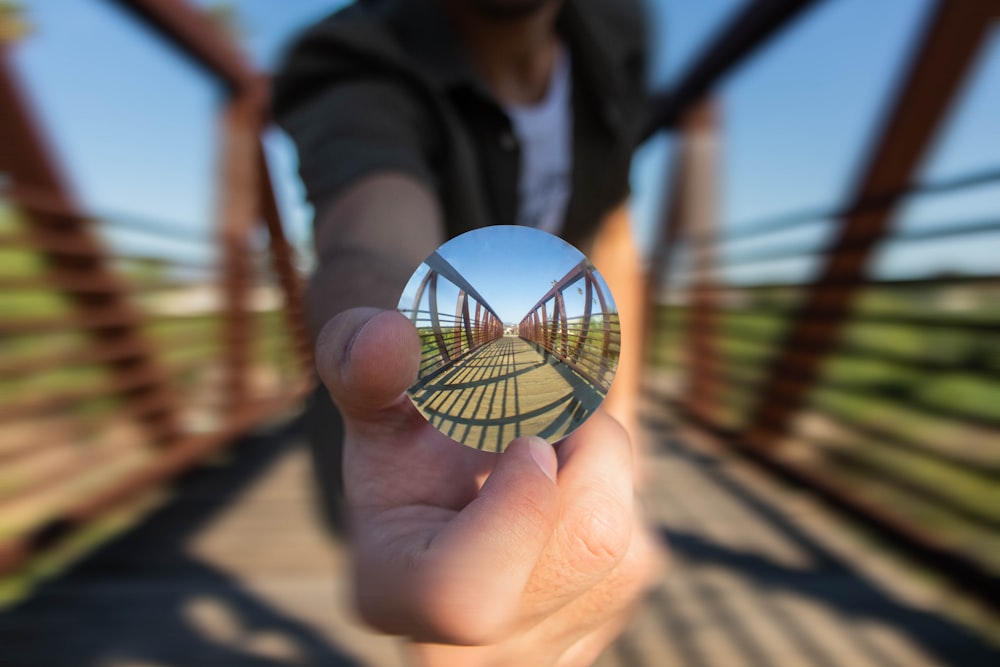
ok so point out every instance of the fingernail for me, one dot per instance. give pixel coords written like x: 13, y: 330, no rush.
x: 349, y: 348
x: 544, y: 457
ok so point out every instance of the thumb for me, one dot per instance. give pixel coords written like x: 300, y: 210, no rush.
x: 477, y: 567
x: 367, y: 358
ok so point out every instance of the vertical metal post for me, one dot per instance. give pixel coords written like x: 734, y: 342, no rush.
x: 952, y: 39
x: 606, y: 329
x: 281, y: 263
x: 664, y: 247
x: 239, y: 211
x: 432, y: 304
x: 699, y: 164
x: 479, y: 328
x: 545, y: 327
x: 28, y: 162
x: 588, y: 280
x: 563, y: 332
x: 467, y: 324
x: 457, y: 340
x: 550, y: 341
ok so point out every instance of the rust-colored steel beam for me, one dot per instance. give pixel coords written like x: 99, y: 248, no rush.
x: 196, y: 36
x: 554, y: 334
x: 754, y: 26
x: 448, y: 337
x: 456, y: 336
x: 698, y: 191
x: 588, y: 298
x: 436, y: 318
x: 947, y: 50
x: 113, y: 323
x: 467, y: 323
x: 688, y: 211
x: 668, y: 233
x: 477, y: 325
x: 238, y: 217
x: 281, y: 263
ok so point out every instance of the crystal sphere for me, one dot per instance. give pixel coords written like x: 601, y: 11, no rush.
x: 520, y: 336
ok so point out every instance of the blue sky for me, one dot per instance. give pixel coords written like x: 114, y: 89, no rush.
x: 135, y: 124
x: 511, y: 268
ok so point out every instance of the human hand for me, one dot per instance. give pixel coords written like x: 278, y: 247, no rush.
x: 527, y: 557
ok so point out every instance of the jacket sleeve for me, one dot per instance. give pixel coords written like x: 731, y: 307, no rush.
x: 355, y: 127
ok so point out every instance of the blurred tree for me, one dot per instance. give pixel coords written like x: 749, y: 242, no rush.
x: 14, y: 26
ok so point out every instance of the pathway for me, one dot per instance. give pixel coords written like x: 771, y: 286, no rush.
x: 234, y: 572
x: 506, y: 388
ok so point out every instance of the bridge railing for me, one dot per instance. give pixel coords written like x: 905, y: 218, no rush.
x: 589, y: 343
x: 877, y: 389
x: 131, y: 349
x: 448, y: 338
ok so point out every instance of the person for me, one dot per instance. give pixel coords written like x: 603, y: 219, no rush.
x: 417, y: 120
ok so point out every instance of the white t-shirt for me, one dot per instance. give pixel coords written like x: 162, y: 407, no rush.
x: 545, y: 134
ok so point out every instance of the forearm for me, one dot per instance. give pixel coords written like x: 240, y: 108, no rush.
x: 351, y: 279
x: 369, y: 240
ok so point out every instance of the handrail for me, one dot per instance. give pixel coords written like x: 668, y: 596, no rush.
x: 784, y: 222
x: 95, y: 321
x: 460, y: 335
x: 753, y: 27
x: 569, y: 343
x: 821, y: 321
x: 440, y: 265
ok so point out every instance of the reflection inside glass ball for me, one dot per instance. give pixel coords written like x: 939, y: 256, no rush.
x: 520, y: 337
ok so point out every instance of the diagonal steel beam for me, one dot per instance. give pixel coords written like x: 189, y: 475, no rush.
x: 687, y: 205
x: 190, y: 30
x: 440, y: 265
x: 952, y: 39
x: 27, y: 162
x: 749, y: 29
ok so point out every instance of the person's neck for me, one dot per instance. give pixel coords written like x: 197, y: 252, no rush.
x: 515, y: 57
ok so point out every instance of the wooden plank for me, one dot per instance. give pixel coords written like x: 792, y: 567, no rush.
x: 504, y: 389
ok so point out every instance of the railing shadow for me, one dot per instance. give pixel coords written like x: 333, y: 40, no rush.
x: 450, y: 402
x: 829, y: 580
x: 136, y: 599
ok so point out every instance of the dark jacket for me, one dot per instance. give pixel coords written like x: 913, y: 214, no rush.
x: 382, y: 85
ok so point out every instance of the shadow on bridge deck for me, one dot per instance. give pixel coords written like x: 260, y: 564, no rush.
x: 504, y: 389
x: 234, y: 572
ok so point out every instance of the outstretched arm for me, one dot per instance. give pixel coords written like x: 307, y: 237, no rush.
x: 530, y: 557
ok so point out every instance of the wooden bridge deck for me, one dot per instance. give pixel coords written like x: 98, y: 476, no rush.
x: 503, y: 389
x: 235, y: 572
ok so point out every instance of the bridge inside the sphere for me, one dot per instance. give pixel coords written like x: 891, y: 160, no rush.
x: 483, y: 384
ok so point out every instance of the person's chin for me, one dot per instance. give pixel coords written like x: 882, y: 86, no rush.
x: 508, y: 10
